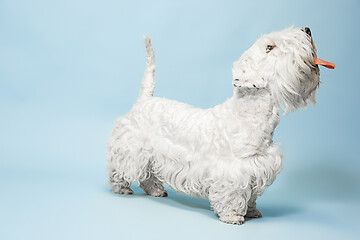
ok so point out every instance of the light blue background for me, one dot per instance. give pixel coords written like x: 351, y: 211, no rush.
x: 68, y: 69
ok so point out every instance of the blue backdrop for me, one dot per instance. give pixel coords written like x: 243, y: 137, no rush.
x: 68, y: 69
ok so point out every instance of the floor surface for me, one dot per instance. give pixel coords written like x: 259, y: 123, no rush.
x: 56, y: 206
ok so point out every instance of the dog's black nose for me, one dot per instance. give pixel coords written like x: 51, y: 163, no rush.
x: 307, y: 30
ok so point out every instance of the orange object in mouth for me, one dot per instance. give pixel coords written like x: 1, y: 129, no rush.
x: 321, y: 62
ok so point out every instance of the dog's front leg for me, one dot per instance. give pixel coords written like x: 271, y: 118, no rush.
x: 252, y: 211
x: 229, y: 203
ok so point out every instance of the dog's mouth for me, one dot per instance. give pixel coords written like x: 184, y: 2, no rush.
x: 317, y: 61
x: 326, y: 64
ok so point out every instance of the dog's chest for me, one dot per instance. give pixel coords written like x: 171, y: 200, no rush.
x: 252, y: 125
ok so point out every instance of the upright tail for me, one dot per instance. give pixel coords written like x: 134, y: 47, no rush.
x: 148, y: 82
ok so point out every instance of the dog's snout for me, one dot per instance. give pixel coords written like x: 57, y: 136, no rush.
x: 307, y: 30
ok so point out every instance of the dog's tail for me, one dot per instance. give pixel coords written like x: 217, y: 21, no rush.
x: 148, y: 82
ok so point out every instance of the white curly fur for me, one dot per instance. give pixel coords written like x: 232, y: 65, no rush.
x: 225, y: 153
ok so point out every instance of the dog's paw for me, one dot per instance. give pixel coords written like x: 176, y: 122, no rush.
x: 232, y: 219
x: 123, y: 191
x: 253, y: 213
x: 158, y: 193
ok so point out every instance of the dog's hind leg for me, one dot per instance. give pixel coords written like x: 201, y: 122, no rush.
x: 153, y: 186
x: 119, y: 185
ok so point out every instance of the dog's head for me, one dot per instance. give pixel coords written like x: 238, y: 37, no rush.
x: 284, y: 62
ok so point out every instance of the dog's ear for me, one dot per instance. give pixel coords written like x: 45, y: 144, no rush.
x: 245, y: 75
x: 249, y: 83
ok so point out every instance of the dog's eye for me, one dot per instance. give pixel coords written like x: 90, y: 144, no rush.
x: 269, y: 48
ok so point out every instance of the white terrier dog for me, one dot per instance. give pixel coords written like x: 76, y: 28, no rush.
x: 225, y: 153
